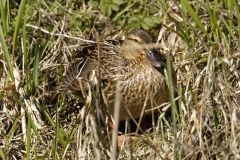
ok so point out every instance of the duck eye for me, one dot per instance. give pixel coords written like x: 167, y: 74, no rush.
x: 136, y: 40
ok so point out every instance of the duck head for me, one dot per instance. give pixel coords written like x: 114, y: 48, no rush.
x: 133, y: 47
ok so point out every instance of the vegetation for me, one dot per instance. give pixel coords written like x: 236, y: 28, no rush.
x: 202, y: 38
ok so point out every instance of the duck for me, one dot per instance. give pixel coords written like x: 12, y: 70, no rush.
x: 127, y: 67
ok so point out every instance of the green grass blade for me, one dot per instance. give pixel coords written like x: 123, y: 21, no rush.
x: 55, y: 142
x: 6, y: 53
x: 54, y: 149
x: 37, y: 57
x: 28, y: 142
x: 195, y: 18
x: 2, y: 154
x: 4, y: 16
x: 18, y: 24
x: 173, y: 104
x: 25, y: 53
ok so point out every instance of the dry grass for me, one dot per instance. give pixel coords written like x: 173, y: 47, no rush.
x: 36, y: 123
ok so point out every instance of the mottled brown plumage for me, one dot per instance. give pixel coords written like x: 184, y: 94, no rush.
x: 129, y: 65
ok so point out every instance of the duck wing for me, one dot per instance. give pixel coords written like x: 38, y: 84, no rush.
x: 78, y: 70
x: 85, y: 57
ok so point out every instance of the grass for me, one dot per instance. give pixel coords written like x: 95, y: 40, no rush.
x: 202, y: 38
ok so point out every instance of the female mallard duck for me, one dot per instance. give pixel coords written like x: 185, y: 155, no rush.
x: 130, y: 65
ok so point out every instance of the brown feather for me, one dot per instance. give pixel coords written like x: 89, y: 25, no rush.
x: 126, y: 64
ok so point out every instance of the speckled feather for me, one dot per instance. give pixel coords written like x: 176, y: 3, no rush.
x: 138, y: 79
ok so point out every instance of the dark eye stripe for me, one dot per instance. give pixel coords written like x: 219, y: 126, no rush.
x: 136, y: 40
